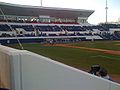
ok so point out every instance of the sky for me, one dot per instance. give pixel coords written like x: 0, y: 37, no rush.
x: 98, y: 5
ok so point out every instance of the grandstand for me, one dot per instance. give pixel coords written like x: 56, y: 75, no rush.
x: 33, y: 23
x: 36, y: 24
x: 34, y: 14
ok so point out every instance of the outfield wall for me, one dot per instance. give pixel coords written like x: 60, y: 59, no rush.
x: 29, y: 71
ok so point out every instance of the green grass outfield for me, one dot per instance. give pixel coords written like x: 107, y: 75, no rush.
x: 80, y: 58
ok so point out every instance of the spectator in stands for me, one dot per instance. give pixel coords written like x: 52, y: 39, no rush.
x: 51, y: 41
x: 94, y: 69
x: 3, y: 89
x: 103, y: 73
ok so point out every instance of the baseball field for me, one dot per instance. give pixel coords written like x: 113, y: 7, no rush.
x: 82, y: 55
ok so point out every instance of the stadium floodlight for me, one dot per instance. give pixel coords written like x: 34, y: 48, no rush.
x: 106, y: 8
x: 11, y: 29
x: 41, y: 2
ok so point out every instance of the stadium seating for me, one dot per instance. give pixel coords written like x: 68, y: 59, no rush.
x: 4, y: 27
x: 82, y: 32
x: 111, y: 25
x: 73, y: 28
x: 64, y: 23
x: 47, y: 28
x: 38, y: 22
x: 25, y: 27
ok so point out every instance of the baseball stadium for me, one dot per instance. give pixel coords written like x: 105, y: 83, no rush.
x: 50, y: 48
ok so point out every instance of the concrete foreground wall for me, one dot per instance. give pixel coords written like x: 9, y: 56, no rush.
x: 4, y: 70
x: 29, y: 71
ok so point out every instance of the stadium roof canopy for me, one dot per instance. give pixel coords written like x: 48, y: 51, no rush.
x: 26, y: 10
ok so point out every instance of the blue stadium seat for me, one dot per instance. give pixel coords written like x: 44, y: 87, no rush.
x: 4, y: 27
x: 73, y: 28
x: 48, y: 28
x: 25, y: 27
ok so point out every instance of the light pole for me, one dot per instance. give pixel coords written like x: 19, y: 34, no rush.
x: 41, y: 3
x: 106, y: 8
